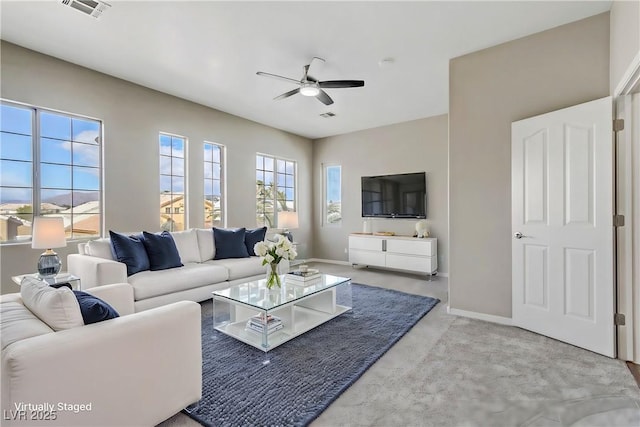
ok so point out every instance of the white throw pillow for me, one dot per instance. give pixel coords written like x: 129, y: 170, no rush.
x: 187, y: 244
x: 58, y: 308
x: 206, y: 243
x: 100, y: 248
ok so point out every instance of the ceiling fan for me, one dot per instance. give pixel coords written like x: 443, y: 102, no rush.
x: 309, y: 86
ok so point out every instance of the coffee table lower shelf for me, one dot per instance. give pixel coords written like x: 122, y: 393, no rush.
x: 310, y: 319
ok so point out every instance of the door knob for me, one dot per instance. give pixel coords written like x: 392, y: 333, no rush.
x: 518, y: 235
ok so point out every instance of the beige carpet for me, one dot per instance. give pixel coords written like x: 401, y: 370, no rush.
x: 453, y: 371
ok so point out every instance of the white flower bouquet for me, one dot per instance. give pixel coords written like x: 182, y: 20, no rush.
x: 272, y: 253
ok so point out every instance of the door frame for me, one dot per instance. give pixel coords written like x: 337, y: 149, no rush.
x: 626, y: 184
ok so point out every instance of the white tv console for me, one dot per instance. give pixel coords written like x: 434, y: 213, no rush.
x: 395, y: 252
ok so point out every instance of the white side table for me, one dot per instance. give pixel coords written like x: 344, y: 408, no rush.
x: 60, y: 278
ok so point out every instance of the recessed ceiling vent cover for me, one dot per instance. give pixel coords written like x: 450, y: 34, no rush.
x: 328, y: 115
x: 88, y: 7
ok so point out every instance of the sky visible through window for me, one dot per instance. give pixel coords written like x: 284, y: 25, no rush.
x: 333, y: 194
x: 69, y: 153
x: 333, y: 184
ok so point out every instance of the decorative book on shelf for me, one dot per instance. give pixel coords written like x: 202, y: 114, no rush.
x: 256, y: 324
x: 303, y: 276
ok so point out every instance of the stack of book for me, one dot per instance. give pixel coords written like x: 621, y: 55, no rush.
x: 304, y: 277
x: 256, y: 324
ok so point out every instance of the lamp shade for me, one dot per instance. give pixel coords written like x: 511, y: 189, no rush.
x: 48, y: 233
x: 288, y: 219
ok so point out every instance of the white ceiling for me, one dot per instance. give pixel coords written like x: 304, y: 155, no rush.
x: 209, y: 52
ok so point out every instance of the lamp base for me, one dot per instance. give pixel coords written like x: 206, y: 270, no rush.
x: 286, y: 233
x: 49, y: 264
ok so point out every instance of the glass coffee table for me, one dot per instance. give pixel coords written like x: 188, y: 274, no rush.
x: 265, y: 318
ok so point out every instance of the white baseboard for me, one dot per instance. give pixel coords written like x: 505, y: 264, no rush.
x: 333, y: 261
x: 328, y: 261
x: 480, y: 316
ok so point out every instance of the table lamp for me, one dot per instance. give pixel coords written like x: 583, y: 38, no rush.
x: 287, y: 220
x: 47, y: 233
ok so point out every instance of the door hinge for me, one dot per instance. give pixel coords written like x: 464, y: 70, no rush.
x: 618, y: 125
x: 618, y: 319
x: 618, y: 220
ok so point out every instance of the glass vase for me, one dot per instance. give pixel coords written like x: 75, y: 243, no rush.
x: 273, y: 276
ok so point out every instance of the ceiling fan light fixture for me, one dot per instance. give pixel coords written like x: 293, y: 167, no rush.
x: 309, y: 89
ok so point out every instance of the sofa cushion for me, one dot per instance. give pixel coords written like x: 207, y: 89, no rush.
x: 229, y: 243
x: 147, y: 284
x: 206, y: 244
x: 100, y: 248
x: 241, y: 267
x: 130, y: 251
x: 18, y: 323
x: 93, y: 309
x: 251, y: 237
x: 58, y: 308
x: 161, y: 250
x: 187, y: 244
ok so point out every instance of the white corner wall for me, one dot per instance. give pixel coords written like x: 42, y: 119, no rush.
x: 488, y: 90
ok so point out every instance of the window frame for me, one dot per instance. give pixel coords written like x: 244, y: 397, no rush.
x: 185, y: 184
x: 325, y: 191
x: 275, y: 172
x: 222, y: 179
x: 36, y: 169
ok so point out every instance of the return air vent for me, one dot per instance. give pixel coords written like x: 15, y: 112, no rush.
x: 328, y: 115
x: 88, y: 7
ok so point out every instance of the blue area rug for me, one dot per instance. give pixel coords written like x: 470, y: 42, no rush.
x: 292, y: 384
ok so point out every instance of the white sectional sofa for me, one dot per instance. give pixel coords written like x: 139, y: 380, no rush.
x: 135, y: 370
x: 195, y: 281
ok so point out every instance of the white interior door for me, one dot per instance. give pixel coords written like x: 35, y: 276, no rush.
x: 562, y: 225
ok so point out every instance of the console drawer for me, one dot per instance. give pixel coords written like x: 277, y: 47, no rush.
x: 366, y: 258
x: 411, y: 247
x: 412, y: 263
x: 366, y: 243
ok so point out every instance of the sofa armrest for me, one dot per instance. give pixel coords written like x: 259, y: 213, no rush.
x: 133, y: 370
x: 118, y: 295
x: 95, y: 271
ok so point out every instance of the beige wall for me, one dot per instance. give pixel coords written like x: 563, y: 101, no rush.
x: 489, y: 89
x: 415, y: 146
x: 625, y: 39
x: 133, y: 115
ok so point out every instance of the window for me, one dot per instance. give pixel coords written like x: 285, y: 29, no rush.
x: 275, y: 188
x: 332, y: 195
x: 51, y: 165
x: 172, y: 182
x: 213, y: 185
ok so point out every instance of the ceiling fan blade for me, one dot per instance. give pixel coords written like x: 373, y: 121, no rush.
x: 275, y: 76
x: 287, y: 94
x: 324, y: 98
x: 336, y: 84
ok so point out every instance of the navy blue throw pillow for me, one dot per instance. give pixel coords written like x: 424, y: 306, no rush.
x: 129, y: 250
x: 251, y: 237
x: 93, y: 309
x: 230, y: 243
x: 162, y: 251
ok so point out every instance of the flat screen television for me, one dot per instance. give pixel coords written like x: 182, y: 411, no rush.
x: 395, y: 196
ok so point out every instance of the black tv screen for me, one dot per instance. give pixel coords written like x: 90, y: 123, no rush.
x: 395, y: 196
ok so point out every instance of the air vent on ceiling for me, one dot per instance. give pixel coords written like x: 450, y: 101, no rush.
x: 328, y: 115
x: 88, y: 7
